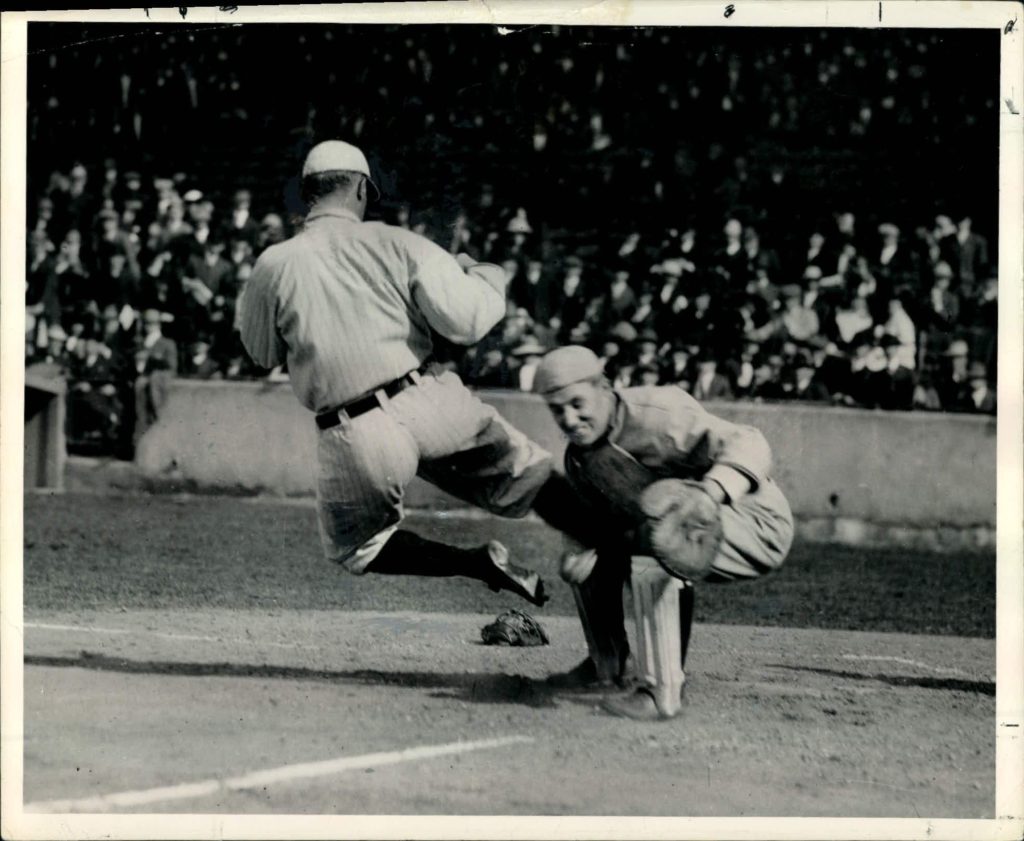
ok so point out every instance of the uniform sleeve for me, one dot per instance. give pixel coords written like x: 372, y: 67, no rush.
x: 258, y: 318
x: 461, y: 305
x: 740, y: 456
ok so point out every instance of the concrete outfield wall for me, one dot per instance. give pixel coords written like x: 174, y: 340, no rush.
x: 922, y: 471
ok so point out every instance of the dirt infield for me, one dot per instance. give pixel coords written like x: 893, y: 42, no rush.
x: 186, y: 653
x: 777, y: 722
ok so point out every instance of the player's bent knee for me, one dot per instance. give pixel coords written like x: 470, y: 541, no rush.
x: 357, y: 561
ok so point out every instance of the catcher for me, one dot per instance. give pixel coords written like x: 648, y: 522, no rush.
x: 675, y: 496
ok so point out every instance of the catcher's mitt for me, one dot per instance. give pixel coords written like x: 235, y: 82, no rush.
x: 514, y: 627
x: 684, y: 526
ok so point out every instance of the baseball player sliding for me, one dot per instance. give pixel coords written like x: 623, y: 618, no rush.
x: 677, y: 496
x: 350, y: 306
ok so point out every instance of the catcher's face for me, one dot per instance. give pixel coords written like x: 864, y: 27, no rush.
x: 583, y: 411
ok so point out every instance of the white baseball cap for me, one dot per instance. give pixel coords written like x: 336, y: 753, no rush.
x: 334, y: 155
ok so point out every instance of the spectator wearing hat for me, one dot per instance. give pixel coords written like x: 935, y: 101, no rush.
x: 899, y: 393
x: 95, y: 410
x: 869, y: 378
x: 56, y: 356
x: 156, y: 363
x: 240, y: 225
x: 982, y: 321
x: 43, y: 221
x: 976, y: 395
x: 623, y: 375
x: 677, y: 369
x: 200, y: 215
x: 846, y: 231
x: 952, y: 373
x: 940, y: 311
x: 947, y: 248
x: 765, y: 386
x: 758, y: 259
x: 833, y: 370
x: 698, y: 322
x: 611, y: 349
x: 740, y: 369
x: 572, y: 296
x: 199, y: 363
x: 818, y: 256
x: 972, y: 257
x: 647, y: 348
x: 620, y: 300
x: 708, y: 384
x: 131, y: 191
x: 892, y: 264
x: 518, y: 233
x: 730, y: 260
x: 823, y: 300
x: 527, y: 356
x: 532, y: 290
x: 272, y: 231
x: 76, y: 207
x: 805, y: 385
x: 73, y: 289
x: 115, y: 282
x: 645, y: 316
x: 647, y: 374
x: 110, y: 240
x: 42, y: 287
x: 669, y: 276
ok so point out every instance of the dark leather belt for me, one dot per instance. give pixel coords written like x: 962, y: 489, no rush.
x: 327, y: 420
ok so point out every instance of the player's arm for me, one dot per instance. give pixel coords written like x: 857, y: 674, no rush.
x: 257, y: 323
x: 460, y: 298
x: 741, y: 457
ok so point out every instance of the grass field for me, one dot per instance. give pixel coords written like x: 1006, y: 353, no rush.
x: 92, y: 552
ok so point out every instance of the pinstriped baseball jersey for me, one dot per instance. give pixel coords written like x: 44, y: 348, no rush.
x: 350, y: 304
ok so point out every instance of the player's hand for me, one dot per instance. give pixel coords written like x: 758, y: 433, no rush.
x: 464, y: 260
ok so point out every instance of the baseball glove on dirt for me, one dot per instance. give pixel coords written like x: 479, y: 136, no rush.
x: 514, y: 627
x: 684, y: 526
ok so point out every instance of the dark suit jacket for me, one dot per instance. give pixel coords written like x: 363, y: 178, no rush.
x: 718, y: 389
x: 162, y: 356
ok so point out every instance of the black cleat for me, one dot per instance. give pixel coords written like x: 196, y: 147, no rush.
x: 583, y: 677
x: 505, y: 575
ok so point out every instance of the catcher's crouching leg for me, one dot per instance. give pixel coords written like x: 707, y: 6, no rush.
x: 598, y: 597
x: 663, y: 607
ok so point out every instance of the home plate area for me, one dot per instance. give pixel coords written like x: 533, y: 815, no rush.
x: 366, y: 712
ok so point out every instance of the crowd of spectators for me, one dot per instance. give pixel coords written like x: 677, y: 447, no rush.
x: 725, y: 260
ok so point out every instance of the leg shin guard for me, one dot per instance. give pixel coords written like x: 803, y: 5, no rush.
x: 656, y: 604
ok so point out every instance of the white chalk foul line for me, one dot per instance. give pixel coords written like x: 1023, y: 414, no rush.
x: 89, y: 629
x: 268, y: 776
x: 906, y: 661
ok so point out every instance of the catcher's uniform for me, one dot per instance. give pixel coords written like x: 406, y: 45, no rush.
x: 662, y: 432
x: 350, y: 306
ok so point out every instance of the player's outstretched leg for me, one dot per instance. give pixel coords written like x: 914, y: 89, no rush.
x: 406, y: 553
x: 657, y: 600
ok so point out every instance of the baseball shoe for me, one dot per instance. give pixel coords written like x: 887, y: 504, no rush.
x: 638, y: 705
x: 505, y: 575
x: 583, y: 677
